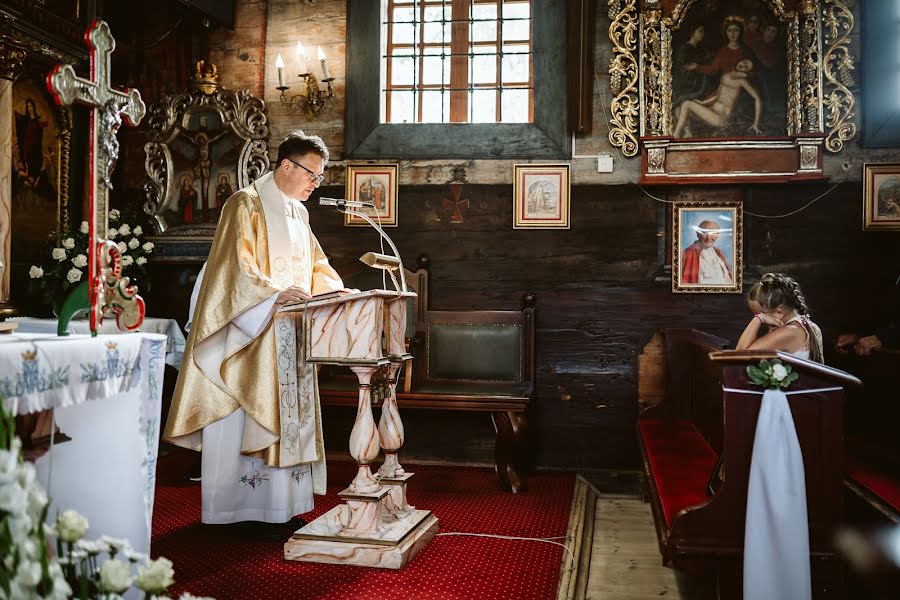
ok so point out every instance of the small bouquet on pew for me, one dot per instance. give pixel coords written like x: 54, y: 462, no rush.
x: 772, y: 374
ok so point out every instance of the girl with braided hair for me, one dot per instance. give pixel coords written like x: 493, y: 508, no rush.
x: 779, y: 306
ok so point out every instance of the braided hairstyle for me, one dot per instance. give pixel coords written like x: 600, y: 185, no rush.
x: 777, y: 290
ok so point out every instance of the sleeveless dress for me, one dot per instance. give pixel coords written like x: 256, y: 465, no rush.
x: 803, y: 351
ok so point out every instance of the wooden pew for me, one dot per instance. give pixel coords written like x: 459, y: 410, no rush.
x: 682, y: 436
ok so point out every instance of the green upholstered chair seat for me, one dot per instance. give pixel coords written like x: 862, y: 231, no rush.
x: 474, y: 352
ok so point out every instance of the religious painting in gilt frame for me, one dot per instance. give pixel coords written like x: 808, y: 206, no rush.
x: 376, y: 185
x: 707, y: 255
x: 40, y: 169
x: 204, y: 145
x: 881, y: 196
x: 541, y: 198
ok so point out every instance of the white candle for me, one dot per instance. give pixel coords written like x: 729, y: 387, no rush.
x: 279, y: 64
x: 321, y: 55
x: 301, y: 58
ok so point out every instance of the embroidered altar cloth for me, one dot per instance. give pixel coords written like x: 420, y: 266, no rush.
x: 106, y: 393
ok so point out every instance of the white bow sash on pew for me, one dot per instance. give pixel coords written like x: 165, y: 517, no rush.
x: 776, y: 529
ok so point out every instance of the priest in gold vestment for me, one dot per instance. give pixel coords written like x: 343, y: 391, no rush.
x: 244, y: 398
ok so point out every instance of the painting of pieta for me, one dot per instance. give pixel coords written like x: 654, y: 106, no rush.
x: 729, y: 71
x: 205, y: 156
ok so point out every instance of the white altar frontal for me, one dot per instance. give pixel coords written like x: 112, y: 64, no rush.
x: 105, y: 393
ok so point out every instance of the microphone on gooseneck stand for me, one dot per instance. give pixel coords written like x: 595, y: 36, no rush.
x: 341, y: 203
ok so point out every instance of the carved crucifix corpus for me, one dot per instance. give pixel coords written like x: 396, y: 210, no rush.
x: 105, y: 291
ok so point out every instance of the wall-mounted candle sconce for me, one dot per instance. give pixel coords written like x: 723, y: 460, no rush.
x: 312, y: 99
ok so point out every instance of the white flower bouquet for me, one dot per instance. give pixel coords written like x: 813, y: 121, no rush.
x: 68, y: 262
x: 102, y: 569
x: 771, y: 374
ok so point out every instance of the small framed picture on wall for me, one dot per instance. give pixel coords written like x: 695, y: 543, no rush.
x: 541, y: 197
x: 707, y: 255
x: 881, y: 197
x: 377, y: 186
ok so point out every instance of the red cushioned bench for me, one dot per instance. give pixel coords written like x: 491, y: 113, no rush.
x: 695, y: 419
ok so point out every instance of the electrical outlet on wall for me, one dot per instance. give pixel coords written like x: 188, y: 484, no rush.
x: 604, y: 163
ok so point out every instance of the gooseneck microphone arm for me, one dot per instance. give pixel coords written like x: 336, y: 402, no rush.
x: 342, y: 205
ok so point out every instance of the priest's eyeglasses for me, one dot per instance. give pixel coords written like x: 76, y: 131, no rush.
x: 312, y: 176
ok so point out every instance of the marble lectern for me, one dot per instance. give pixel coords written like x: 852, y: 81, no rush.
x: 376, y: 526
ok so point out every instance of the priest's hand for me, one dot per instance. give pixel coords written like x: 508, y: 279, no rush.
x: 291, y: 295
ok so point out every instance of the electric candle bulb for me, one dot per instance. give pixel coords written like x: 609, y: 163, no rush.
x: 301, y: 57
x: 321, y: 55
x: 279, y: 64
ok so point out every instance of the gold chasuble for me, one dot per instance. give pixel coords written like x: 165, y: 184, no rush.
x: 263, y: 245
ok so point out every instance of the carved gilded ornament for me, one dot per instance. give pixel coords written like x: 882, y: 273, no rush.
x: 807, y: 29
x: 837, y: 66
x: 12, y: 59
x: 623, y: 76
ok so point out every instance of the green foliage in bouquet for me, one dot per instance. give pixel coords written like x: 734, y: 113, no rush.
x: 772, y: 374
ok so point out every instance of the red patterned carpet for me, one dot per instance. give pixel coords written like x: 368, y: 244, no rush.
x: 210, y: 561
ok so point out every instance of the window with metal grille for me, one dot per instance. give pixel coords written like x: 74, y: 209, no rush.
x: 457, y: 61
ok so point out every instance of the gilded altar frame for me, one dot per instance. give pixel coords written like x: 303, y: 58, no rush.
x: 200, y: 119
x: 820, y: 106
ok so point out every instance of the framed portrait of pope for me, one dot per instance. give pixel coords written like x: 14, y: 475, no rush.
x: 707, y: 242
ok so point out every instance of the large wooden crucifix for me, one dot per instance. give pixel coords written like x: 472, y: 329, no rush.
x: 105, y: 291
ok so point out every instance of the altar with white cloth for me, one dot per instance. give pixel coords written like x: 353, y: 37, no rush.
x: 168, y: 327
x: 106, y: 394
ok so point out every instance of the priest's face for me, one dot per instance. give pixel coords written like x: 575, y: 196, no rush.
x: 302, y: 175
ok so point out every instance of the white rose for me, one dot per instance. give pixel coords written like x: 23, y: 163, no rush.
x: 58, y: 254
x: 84, y: 227
x: 115, y: 576
x: 71, y: 526
x: 133, y: 243
x: 140, y: 260
x: 188, y: 596
x: 124, y: 229
x: 92, y: 546
x: 127, y: 260
x: 137, y: 230
x: 122, y: 247
x: 148, y: 247
x: 73, y: 275
x: 68, y: 243
x: 80, y: 261
x: 35, y: 272
x: 156, y: 576
x: 9, y: 462
x: 136, y: 556
x: 114, y: 215
x: 112, y: 233
x: 20, y: 526
x: 779, y: 372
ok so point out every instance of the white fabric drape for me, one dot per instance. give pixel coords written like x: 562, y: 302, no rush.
x: 776, y: 538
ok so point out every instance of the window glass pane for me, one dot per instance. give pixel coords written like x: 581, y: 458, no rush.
x: 516, y: 30
x: 404, y: 33
x: 432, y: 68
x: 515, y: 65
x: 402, y: 69
x: 435, y: 33
x: 432, y: 103
x: 403, y: 15
x: 484, y: 26
x: 433, y: 13
x: 484, y: 106
x: 484, y: 68
x: 402, y: 104
x: 516, y: 10
x: 514, y: 106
